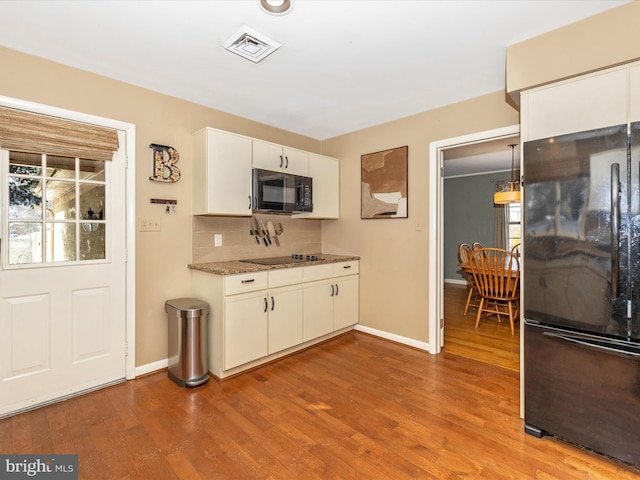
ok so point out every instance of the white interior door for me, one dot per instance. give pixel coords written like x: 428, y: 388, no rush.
x: 63, y: 276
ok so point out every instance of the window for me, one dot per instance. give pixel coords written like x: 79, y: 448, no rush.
x: 56, y: 209
x: 514, y: 235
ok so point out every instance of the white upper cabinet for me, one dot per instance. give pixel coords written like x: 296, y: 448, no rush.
x: 634, y: 93
x: 325, y: 172
x: 592, y: 101
x: 222, y: 179
x: 221, y: 173
x: 271, y: 156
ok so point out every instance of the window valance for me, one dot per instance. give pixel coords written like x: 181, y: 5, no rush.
x: 36, y: 133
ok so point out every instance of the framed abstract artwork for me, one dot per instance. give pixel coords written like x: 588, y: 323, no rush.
x: 384, y: 183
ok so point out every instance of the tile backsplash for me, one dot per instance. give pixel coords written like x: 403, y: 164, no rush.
x: 298, y: 236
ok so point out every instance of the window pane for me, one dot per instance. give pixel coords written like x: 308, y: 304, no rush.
x: 92, y: 201
x: 92, y: 241
x: 61, y: 242
x: 61, y: 167
x: 92, y: 170
x: 25, y: 163
x: 25, y: 242
x: 61, y: 200
x: 514, y: 213
x: 25, y: 198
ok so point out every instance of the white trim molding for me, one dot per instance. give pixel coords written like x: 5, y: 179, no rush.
x: 436, y: 222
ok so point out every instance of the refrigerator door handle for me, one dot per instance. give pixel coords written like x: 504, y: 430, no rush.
x: 615, y: 229
x: 600, y: 345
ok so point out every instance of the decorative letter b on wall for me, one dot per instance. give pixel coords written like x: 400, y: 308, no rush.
x: 162, y: 163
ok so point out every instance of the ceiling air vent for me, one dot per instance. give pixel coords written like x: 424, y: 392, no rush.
x: 250, y: 44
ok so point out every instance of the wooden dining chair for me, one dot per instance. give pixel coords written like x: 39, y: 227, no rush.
x: 473, y: 299
x: 476, y: 246
x: 497, y: 276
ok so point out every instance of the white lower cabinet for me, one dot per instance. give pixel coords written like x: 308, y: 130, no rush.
x: 245, y: 329
x: 285, y: 318
x: 330, y: 298
x: 259, y: 324
x: 256, y: 317
x: 345, y: 302
x: 317, y: 319
x: 329, y: 306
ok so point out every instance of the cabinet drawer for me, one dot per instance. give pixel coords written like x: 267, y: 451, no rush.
x: 245, y: 282
x: 317, y: 272
x: 285, y: 276
x: 346, y: 268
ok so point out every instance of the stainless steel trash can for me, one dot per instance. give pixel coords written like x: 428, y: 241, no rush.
x: 187, y: 341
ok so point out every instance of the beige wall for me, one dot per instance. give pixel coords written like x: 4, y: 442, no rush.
x: 604, y: 40
x: 161, y: 257
x: 394, y: 262
x: 394, y: 258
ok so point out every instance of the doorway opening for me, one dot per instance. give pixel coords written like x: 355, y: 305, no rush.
x: 486, y: 145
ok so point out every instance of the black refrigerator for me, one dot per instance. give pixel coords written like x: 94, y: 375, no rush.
x: 581, y: 289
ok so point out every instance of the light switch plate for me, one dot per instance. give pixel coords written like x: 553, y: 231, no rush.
x: 217, y: 240
x: 149, y: 224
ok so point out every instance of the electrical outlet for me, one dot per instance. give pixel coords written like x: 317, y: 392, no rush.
x: 418, y: 226
x: 217, y: 240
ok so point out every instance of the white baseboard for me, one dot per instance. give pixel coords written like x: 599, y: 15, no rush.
x: 164, y: 363
x: 152, y: 367
x: 455, y: 280
x: 393, y: 337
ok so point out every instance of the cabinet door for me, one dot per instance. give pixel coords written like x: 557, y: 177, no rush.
x: 325, y: 172
x: 634, y: 94
x: 271, y: 156
x: 345, y: 302
x: 296, y: 161
x: 317, y: 319
x: 285, y: 319
x: 245, y: 329
x: 268, y: 156
x: 593, y: 101
x: 222, y: 173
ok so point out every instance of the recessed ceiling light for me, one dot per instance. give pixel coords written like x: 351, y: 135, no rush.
x: 276, y: 7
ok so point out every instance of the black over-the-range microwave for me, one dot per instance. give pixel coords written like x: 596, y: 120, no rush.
x: 279, y: 192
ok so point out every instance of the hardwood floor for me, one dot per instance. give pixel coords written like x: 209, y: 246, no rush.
x: 491, y: 342
x: 356, y: 407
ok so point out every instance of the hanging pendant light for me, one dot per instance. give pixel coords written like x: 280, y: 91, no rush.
x: 512, y: 194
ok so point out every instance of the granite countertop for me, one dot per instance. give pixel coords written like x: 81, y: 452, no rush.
x: 236, y: 266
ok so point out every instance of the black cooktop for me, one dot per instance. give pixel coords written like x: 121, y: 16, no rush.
x: 295, y: 258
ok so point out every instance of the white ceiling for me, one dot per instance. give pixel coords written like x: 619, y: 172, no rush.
x: 344, y: 64
x: 481, y: 157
